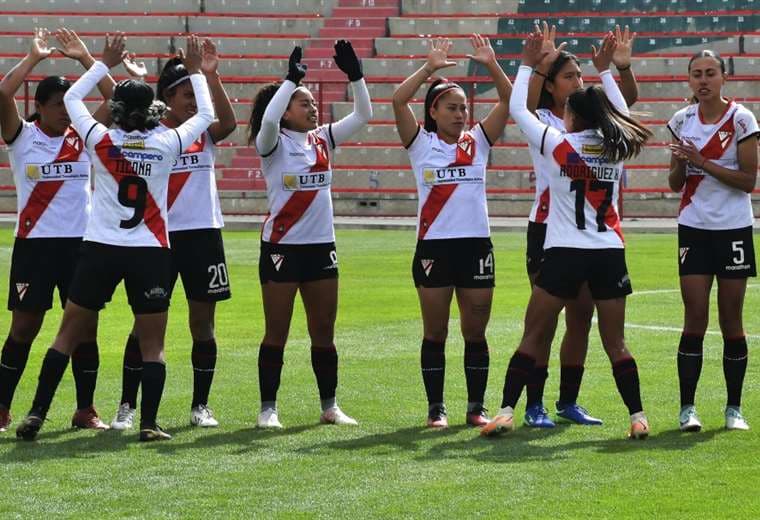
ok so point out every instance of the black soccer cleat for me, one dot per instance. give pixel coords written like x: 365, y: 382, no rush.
x: 153, y: 433
x: 29, y: 427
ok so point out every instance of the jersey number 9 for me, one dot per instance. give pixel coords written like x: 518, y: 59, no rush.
x: 133, y: 191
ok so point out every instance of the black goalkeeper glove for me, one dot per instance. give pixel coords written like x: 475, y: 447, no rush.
x: 296, y: 69
x: 346, y: 60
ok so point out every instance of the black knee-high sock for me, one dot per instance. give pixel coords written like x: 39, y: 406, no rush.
x: 689, y: 366
x: 204, y: 364
x: 131, y: 372
x: 84, y: 365
x: 734, y: 367
x: 12, y: 363
x: 51, y: 373
x: 570, y: 378
x: 476, y: 362
x: 270, y: 367
x: 324, y: 362
x: 627, y: 380
x: 433, y: 363
x: 518, y: 372
x: 153, y: 379
x: 534, y: 387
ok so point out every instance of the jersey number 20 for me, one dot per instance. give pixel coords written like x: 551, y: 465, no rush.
x: 133, y: 191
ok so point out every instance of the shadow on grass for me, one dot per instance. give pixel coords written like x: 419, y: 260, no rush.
x: 524, y: 444
x: 79, y: 444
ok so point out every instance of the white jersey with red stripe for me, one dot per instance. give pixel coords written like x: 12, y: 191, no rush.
x: 541, y: 164
x: 706, y: 202
x: 298, y: 176
x: 584, y: 212
x: 131, y: 169
x: 451, y: 184
x: 193, y: 200
x: 52, y: 177
x: 584, y: 187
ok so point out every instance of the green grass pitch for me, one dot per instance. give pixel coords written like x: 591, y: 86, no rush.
x: 391, y: 466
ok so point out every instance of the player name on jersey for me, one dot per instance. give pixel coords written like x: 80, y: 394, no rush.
x: 432, y: 175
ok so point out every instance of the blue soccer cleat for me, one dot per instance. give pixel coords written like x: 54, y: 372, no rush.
x: 536, y: 416
x: 575, y: 413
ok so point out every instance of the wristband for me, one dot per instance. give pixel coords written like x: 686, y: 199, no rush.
x: 536, y: 71
x: 620, y: 69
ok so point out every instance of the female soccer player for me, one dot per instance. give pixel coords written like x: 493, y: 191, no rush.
x: 195, y: 222
x: 584, y: 243
x: 714, y: 163
x: 554, y: 79
x: 298, y: 241
x: 454, y: 252
x: 126, y: 236
x: 51, y: 170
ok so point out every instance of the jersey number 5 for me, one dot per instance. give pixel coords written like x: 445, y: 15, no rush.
x: 580, y: 186
x: 133, y: 191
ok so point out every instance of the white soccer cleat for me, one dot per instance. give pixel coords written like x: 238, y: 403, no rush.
x: 502, y: 422
x: 735, y: 420
x: 689, y: 420
x: 202, y: 416
x: 335, y: 415
x: 639, y: 427
x: 268, y: 419
x: 125, y: 417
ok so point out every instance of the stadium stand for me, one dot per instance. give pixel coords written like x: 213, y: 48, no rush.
x: 372, y: 177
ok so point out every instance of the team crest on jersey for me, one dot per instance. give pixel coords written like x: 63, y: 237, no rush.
x: 277, y: 260
x: 725, y: 138
x: 74, y: 142
x: 682, y: 252
x: 21, y: 289
x: 427, y: 266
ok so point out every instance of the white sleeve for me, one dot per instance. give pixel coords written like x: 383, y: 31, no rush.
x: 189, y: 131
x: 355, y: 121
x: 81, y: 119
x: 611, y: 88
x: 266, y: 139
x: 676, y: 123
x: 539, y: 134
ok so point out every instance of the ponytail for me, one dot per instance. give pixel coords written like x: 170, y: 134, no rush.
x: 623, y: 137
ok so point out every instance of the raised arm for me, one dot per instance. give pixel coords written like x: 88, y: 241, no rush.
x: 494, y: 122
x: 81, y: 119
x: 266, y: 139
x: 406, y: 122
x: 225, y: 123
x: 346, y: 59
x: 602, y: 58
x: 189, y: 131
x: 622, y: 60
x: 538, y: 134
x: 10, y: 119
x: 542, y: 69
